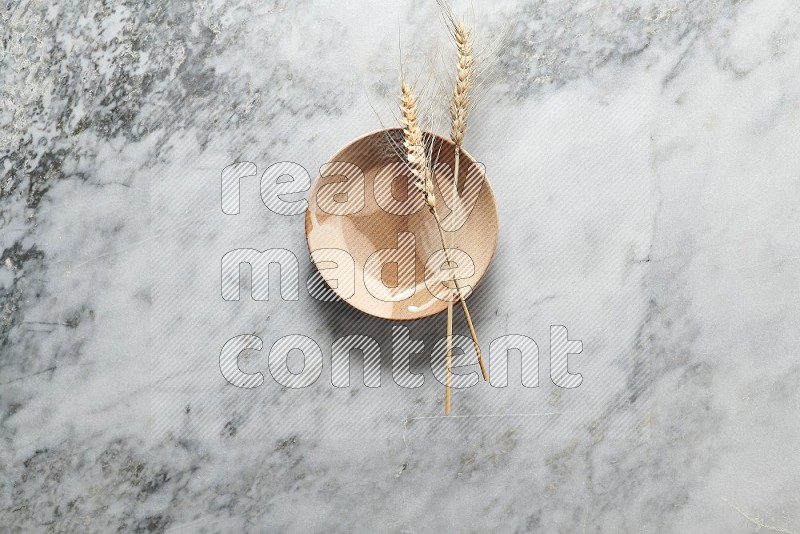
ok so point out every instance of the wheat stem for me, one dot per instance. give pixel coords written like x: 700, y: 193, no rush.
x: 467, y: 315
x: 448, y: 363
x: 458, y: 125
x: 420, y: 166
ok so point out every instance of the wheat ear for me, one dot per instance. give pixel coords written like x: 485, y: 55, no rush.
x: 415, y: 149
x: 420, y: 167
x: 461, y: 92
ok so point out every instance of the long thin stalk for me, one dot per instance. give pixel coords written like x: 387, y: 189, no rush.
x: 461, y: 299
x: 448, y: 383
x: 459, y: 107
x: 449, y: 358
x: 420, y: 165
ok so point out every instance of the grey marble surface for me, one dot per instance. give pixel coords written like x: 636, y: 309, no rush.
x: 646, y: 164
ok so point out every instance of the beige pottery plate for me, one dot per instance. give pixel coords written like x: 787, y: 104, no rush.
x: 364, y: 202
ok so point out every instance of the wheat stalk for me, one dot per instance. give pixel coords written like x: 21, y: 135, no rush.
x: 420, y: 165
x: 459, y: 105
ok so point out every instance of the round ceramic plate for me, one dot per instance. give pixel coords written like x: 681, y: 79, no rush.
x: 375, y: 242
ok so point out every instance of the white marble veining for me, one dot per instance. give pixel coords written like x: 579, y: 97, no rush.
x: 646, y: 165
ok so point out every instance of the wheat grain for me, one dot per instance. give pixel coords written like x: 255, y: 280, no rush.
x: 461, y: 92
x: 418, y: 161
